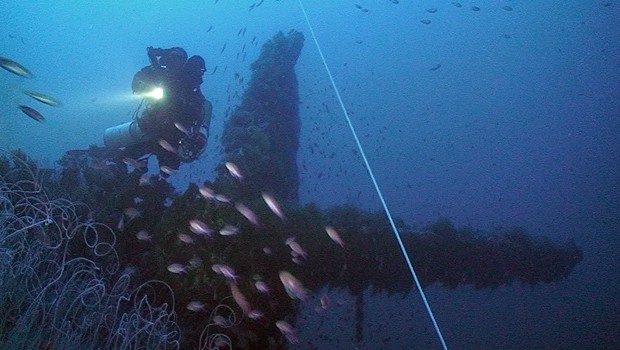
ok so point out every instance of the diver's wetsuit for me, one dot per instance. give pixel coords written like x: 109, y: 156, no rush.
x: 183, y: 103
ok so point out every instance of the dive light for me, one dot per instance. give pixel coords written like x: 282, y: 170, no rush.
x: 156, y: 94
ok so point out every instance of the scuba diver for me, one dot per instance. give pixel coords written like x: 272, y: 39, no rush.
x: 174, y: 112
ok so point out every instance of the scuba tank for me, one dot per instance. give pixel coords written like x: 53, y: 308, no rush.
x: 124, y: 135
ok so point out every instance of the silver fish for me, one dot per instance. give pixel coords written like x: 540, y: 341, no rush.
x: 234, y: 170
x: 181, y: 128
x: 196, y: 306
x: 240, y: 299
x: 256, y: 315
x: 288, y: 331
x: 207, y: 193
x: 14, y: 67
x: 273, y: 205
x: 262, y: 287
x: 177, y: 268
x: 167, y: 146
x: 48, y: 100
x: 185, y: 238
x: 298, y: 250
x: 143, y: 236
x: 247, y: 213
x: 229, y: 230
x: 293, y: 286
x: 222, y: 198
x: 333, y: 234
x: 200, y: 228
x: 225, y: 271
x: 166, y: 169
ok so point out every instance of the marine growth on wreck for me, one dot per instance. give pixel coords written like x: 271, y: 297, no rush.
x: 217, y: 265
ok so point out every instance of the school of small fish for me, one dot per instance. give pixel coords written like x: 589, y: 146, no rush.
x: 199, y: 227
x: 16, y: 68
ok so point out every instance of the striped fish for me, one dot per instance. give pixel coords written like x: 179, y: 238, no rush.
x: 14, y: 67
x: 48, y: 100
x: 32, y: 113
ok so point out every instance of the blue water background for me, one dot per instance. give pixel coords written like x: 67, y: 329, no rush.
x: 519, y: 126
